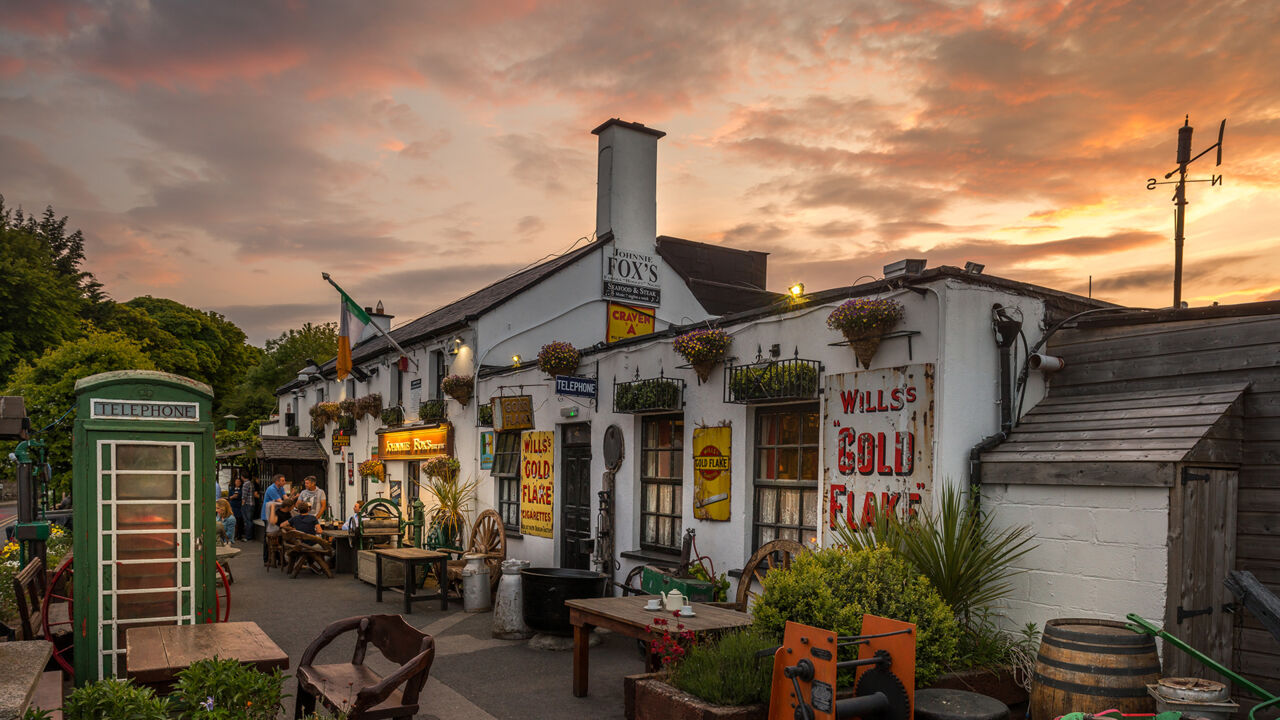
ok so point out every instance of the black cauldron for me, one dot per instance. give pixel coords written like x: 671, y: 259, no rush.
x: 546, y: 589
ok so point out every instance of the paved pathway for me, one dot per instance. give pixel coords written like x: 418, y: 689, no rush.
x: 474, y: 675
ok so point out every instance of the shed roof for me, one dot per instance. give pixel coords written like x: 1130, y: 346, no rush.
x: 291, y: 447
x: 1132, y: 438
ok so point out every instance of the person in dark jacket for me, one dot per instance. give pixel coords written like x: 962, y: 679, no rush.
x: 248, y: 500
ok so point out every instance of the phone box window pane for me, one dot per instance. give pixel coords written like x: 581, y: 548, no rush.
x: 146, y: 487
x: 146, y: 457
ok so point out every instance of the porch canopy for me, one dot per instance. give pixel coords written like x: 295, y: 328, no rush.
x: 1134, y: 438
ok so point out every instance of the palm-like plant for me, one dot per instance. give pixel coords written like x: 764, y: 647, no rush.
x: 958, y: 548
x: 453, y: 498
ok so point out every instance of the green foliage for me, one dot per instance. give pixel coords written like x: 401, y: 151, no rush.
x: 48, y: 385
x: 57, y: 547
x: 227, y: 689
x: 112, y: 698
x: 774, y: 380
x: 654, y: 394
x: 727, y: 671
x: 720, y: 585
x: 37, y: 714
x: 959, y: 548
x: 433, y: 411
x: 42, y: 306
x: 833, y: 588
x: 395, y: 415
x: 984, y: 645
x: 484, y: 415
x: 254, y: 396
x: 249, y: 439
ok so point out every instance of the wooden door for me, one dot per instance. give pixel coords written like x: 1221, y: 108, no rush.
x: 575, y: 496
x: 1202, y: 536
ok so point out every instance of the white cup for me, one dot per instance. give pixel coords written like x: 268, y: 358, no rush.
x: 653, y: 605
x: 687, y: 610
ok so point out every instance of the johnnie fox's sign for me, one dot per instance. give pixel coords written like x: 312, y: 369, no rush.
x: 878, y: 438
x: 418, y: 444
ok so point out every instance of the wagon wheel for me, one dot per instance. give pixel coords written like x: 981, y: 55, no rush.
x: 221, y: 596
x: 631, y: 585
x: 488, y: 538
x: 771, y: 555
x: 62, y: 578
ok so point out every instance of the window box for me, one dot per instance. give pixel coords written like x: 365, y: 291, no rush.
x: 653, y: 395
x: 772, y: 381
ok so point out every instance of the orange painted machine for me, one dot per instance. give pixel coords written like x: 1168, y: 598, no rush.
x: 805, y: 669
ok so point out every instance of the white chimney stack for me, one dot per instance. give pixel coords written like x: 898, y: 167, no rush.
x: 626, y: 192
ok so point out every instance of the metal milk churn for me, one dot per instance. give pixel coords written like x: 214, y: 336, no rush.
x: 508, y: 609
x: 475, y: 584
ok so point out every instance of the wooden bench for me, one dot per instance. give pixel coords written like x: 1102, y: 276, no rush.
x: 302, y: 549
x: 29, y: 588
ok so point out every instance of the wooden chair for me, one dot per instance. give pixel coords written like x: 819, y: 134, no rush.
x: 29, y: 588
x: 302, y: 549
x: 275, y: 551
x: 352, y: 687
x: 489, y: 539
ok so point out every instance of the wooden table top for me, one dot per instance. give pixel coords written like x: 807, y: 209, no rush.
x: 156, y: 654
x: 630, y: 611
x: 410, y: 553
x: 226, y: 552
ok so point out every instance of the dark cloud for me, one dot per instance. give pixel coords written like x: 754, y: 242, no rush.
x: 530, y: 225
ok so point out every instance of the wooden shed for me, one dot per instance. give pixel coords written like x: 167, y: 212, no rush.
x: 1187, y: 399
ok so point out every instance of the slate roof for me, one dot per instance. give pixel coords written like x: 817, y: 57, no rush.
x: 1067, y: 439
x: 291, y: 447
x: 723, y: 279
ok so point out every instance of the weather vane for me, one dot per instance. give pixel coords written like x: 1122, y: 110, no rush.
x: 1180, y: 194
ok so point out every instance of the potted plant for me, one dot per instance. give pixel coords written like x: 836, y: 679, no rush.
x: 722, y: 679
x: 373, y: 470
x: 458, y: 387
x: 773, y: 380
x: 453, y: 499
x: 863, y: 321
x: 432, y: 411
x: 369, y: 406
x: 652, y: 394
x: 484, y: 415
x: 703, y: 349
x: 347, y: 407
x: 558, y: 358
x: 393, y: 416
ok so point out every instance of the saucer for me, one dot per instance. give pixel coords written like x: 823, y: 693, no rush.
x: 653, y: 607
x: 688, y: 614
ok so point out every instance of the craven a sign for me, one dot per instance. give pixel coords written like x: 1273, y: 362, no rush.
x: 632, y: 276
x: 537, y: 482
x: 626, y: 321
x: 711, y: 478
x: 878, y: 443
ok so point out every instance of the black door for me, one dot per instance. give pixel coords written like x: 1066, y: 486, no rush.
x: 575, y: 496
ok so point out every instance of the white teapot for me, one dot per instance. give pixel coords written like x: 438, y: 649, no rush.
x: 673, y: 600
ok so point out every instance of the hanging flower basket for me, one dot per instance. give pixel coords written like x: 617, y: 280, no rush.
x: 863, y: 321
x: 370, y: 405
x: 703, y: 349
x: 373, y: 469
x: 458, y: 387
x: 558, y: 358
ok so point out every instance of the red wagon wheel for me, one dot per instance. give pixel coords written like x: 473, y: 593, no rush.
x: 62, y: 579
x: 221, y: 596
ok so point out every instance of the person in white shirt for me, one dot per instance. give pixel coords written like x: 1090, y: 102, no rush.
x: 354, y: 521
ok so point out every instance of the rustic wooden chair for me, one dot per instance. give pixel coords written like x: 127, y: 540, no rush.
x: 302, y: 549
x: 489, y: 539
x: 275, y: 551
x: 353, y: 688
x: 29, y: 588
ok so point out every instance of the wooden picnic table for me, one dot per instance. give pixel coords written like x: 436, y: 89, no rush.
x: 628, y: 616
x: 413, y: 557
x: 222, y: 555
x: 23, y: 664
x: 154, y: 655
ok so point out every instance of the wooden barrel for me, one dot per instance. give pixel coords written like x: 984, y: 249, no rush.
x: 1089, y: 665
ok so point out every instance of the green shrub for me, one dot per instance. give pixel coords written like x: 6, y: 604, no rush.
x: 833, y: 588
x: 484, y: 415
x: 774, y: 380
x: 226, y: 689
x: 432, y: 411
x: 727, y: 671
x: 654, y: 394
x: 112, y: 698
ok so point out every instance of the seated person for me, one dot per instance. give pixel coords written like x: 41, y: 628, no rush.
x: 226, y: 521
x: 304, y: 521
x: 354, y: 521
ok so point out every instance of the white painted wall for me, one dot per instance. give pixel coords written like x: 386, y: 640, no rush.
x: 1101, y: 551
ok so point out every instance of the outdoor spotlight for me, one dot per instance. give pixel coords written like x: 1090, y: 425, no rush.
x: 456, y: 346
x: 796, y: 290
x: 974, y: 268
x: 515, y: 360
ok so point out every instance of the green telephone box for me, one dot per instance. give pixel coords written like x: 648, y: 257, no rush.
x: 143, y: 486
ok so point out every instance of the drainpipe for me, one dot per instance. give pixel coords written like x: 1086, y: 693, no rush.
x: 1006, y: 322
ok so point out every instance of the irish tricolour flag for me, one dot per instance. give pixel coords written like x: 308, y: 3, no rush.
x: 351, y: 323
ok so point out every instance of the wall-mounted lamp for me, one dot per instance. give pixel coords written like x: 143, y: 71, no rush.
x: 455, y: 346
x: 515, y: 361
x: 796, y: 290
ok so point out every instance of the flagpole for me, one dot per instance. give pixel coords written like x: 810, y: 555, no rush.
x: 375, y: 326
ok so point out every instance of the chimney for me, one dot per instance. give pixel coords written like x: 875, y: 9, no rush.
x: 626, y: 190
x: 380, y: 318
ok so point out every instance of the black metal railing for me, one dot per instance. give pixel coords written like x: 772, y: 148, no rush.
x: 660, y: 394
x: 772, y: 380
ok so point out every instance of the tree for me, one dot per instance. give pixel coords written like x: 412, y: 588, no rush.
x: 41, y: 305
x: 255, y: 397
x: 48, y: 387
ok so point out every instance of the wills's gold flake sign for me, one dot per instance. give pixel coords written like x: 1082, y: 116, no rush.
x: 419, y: 444
x: 513, y: 413
x: 537, y: 482
x: 711, y: 472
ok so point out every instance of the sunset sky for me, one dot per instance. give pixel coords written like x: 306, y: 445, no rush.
x: 225, y: 153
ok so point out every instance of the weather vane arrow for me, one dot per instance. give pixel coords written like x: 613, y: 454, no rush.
x: 1180, y: 194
